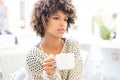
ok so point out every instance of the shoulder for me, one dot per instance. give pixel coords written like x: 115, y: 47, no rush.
x: 32, y: 52
x: 72, y: 42
x: 72, y: 45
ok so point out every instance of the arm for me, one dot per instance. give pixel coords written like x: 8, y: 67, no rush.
x: 76, y: 73
x: 55, y: 76
x: 50, y: 70
x: 35, y: 69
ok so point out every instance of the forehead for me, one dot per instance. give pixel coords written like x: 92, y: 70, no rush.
x: 59, y: 13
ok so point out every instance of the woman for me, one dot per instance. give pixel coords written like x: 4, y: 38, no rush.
x: 50, y: 20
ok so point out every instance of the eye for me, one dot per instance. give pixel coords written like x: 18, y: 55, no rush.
x: 56, y: 18
x: 66, y: 19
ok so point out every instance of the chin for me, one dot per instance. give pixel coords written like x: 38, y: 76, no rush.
x: 60, y: 36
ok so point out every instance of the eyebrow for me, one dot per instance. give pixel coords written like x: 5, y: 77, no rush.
x: 59, y: 15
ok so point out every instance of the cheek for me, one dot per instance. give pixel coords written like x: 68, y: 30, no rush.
x: 50, y: 28
x: 66, y: 26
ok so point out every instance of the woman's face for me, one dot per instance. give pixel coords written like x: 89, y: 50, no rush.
x: 57, y: 24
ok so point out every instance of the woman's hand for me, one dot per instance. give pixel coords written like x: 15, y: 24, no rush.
x: 49, y: 65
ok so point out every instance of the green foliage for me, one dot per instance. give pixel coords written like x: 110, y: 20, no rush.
x: 105, y: 33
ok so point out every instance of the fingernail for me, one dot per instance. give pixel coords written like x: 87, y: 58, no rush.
x: 51, y: 56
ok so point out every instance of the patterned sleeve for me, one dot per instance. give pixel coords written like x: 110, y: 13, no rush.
x: 55, y: 76
x: 34, y: 69
x: 76, y: 73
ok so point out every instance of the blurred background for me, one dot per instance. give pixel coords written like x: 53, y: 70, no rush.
x: 97, y: 29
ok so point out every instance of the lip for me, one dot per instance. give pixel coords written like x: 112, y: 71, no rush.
x: 61, y: 30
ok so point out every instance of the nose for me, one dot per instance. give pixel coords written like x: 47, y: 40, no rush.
x: 63, y: 23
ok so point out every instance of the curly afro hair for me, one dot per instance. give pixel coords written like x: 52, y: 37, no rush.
x: 42, y: 10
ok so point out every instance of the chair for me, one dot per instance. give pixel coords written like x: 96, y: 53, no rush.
x: 19, y: 74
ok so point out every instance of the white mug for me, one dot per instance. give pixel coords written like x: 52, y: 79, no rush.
x: 65, y: 61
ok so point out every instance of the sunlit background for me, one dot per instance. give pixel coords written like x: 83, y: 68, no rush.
x: 97, y: 28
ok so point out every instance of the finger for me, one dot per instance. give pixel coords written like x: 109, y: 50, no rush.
x: 48, y: 63
x: 52, y: 68
x: 49, y: 59
x: 49, y: 72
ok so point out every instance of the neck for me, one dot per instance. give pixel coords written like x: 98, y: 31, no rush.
x: 52, y: 42
x: 53, y: 46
